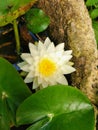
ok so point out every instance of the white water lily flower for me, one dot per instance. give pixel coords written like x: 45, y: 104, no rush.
x: 46, y: 64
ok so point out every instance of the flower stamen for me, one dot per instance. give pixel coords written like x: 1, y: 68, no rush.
x: 46, y: 67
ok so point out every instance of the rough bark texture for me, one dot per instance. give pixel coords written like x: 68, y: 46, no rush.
x: 70, y: 23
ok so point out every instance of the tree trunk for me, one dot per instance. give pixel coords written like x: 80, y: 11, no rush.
x: 70, y: 23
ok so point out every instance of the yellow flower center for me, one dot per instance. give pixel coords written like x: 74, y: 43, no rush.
x: 47, y: 67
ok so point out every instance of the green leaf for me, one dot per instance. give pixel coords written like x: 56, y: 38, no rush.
x: 38, y: 125
x: 12, y: 9
x: 4, y: 116
x: 94, y: 13
x: 95, y: 26
x: 37, y: 20
x: 55, y: 108
x: 91, y: 2
x: 13, y: 91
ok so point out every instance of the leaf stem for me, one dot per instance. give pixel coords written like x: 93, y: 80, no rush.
x: 15, y: 26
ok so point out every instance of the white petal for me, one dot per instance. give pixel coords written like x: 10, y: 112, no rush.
x: 45, y: 84
x: 39, y: 80
x: 63, y: 60
x: 33, y: 49
x: 59, y: 54
x: 47, y: 42
x: 22, y: 64
x: 67, y: 69
x: 28, y: 80
x: 25, y: 68
x: 51, y: 48
x: 66, y: 58
x: 60, y: 47
x: 68, y: 52
x: 53, y: 82
x: 30, y: 75
x: 62, y: 80
x: 35, y: 84
x: 25, y: 55
x: 32, y: 68
x: 29, y: 60
x: 40, y: 46
x: 42, y: 52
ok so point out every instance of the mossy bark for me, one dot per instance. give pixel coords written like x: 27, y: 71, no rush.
x: 70, y: 23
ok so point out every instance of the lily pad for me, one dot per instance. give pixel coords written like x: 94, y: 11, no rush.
x: 57, y: 108
x: 13, y: 91
x: 37, y: 21
x: 12, y: 9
